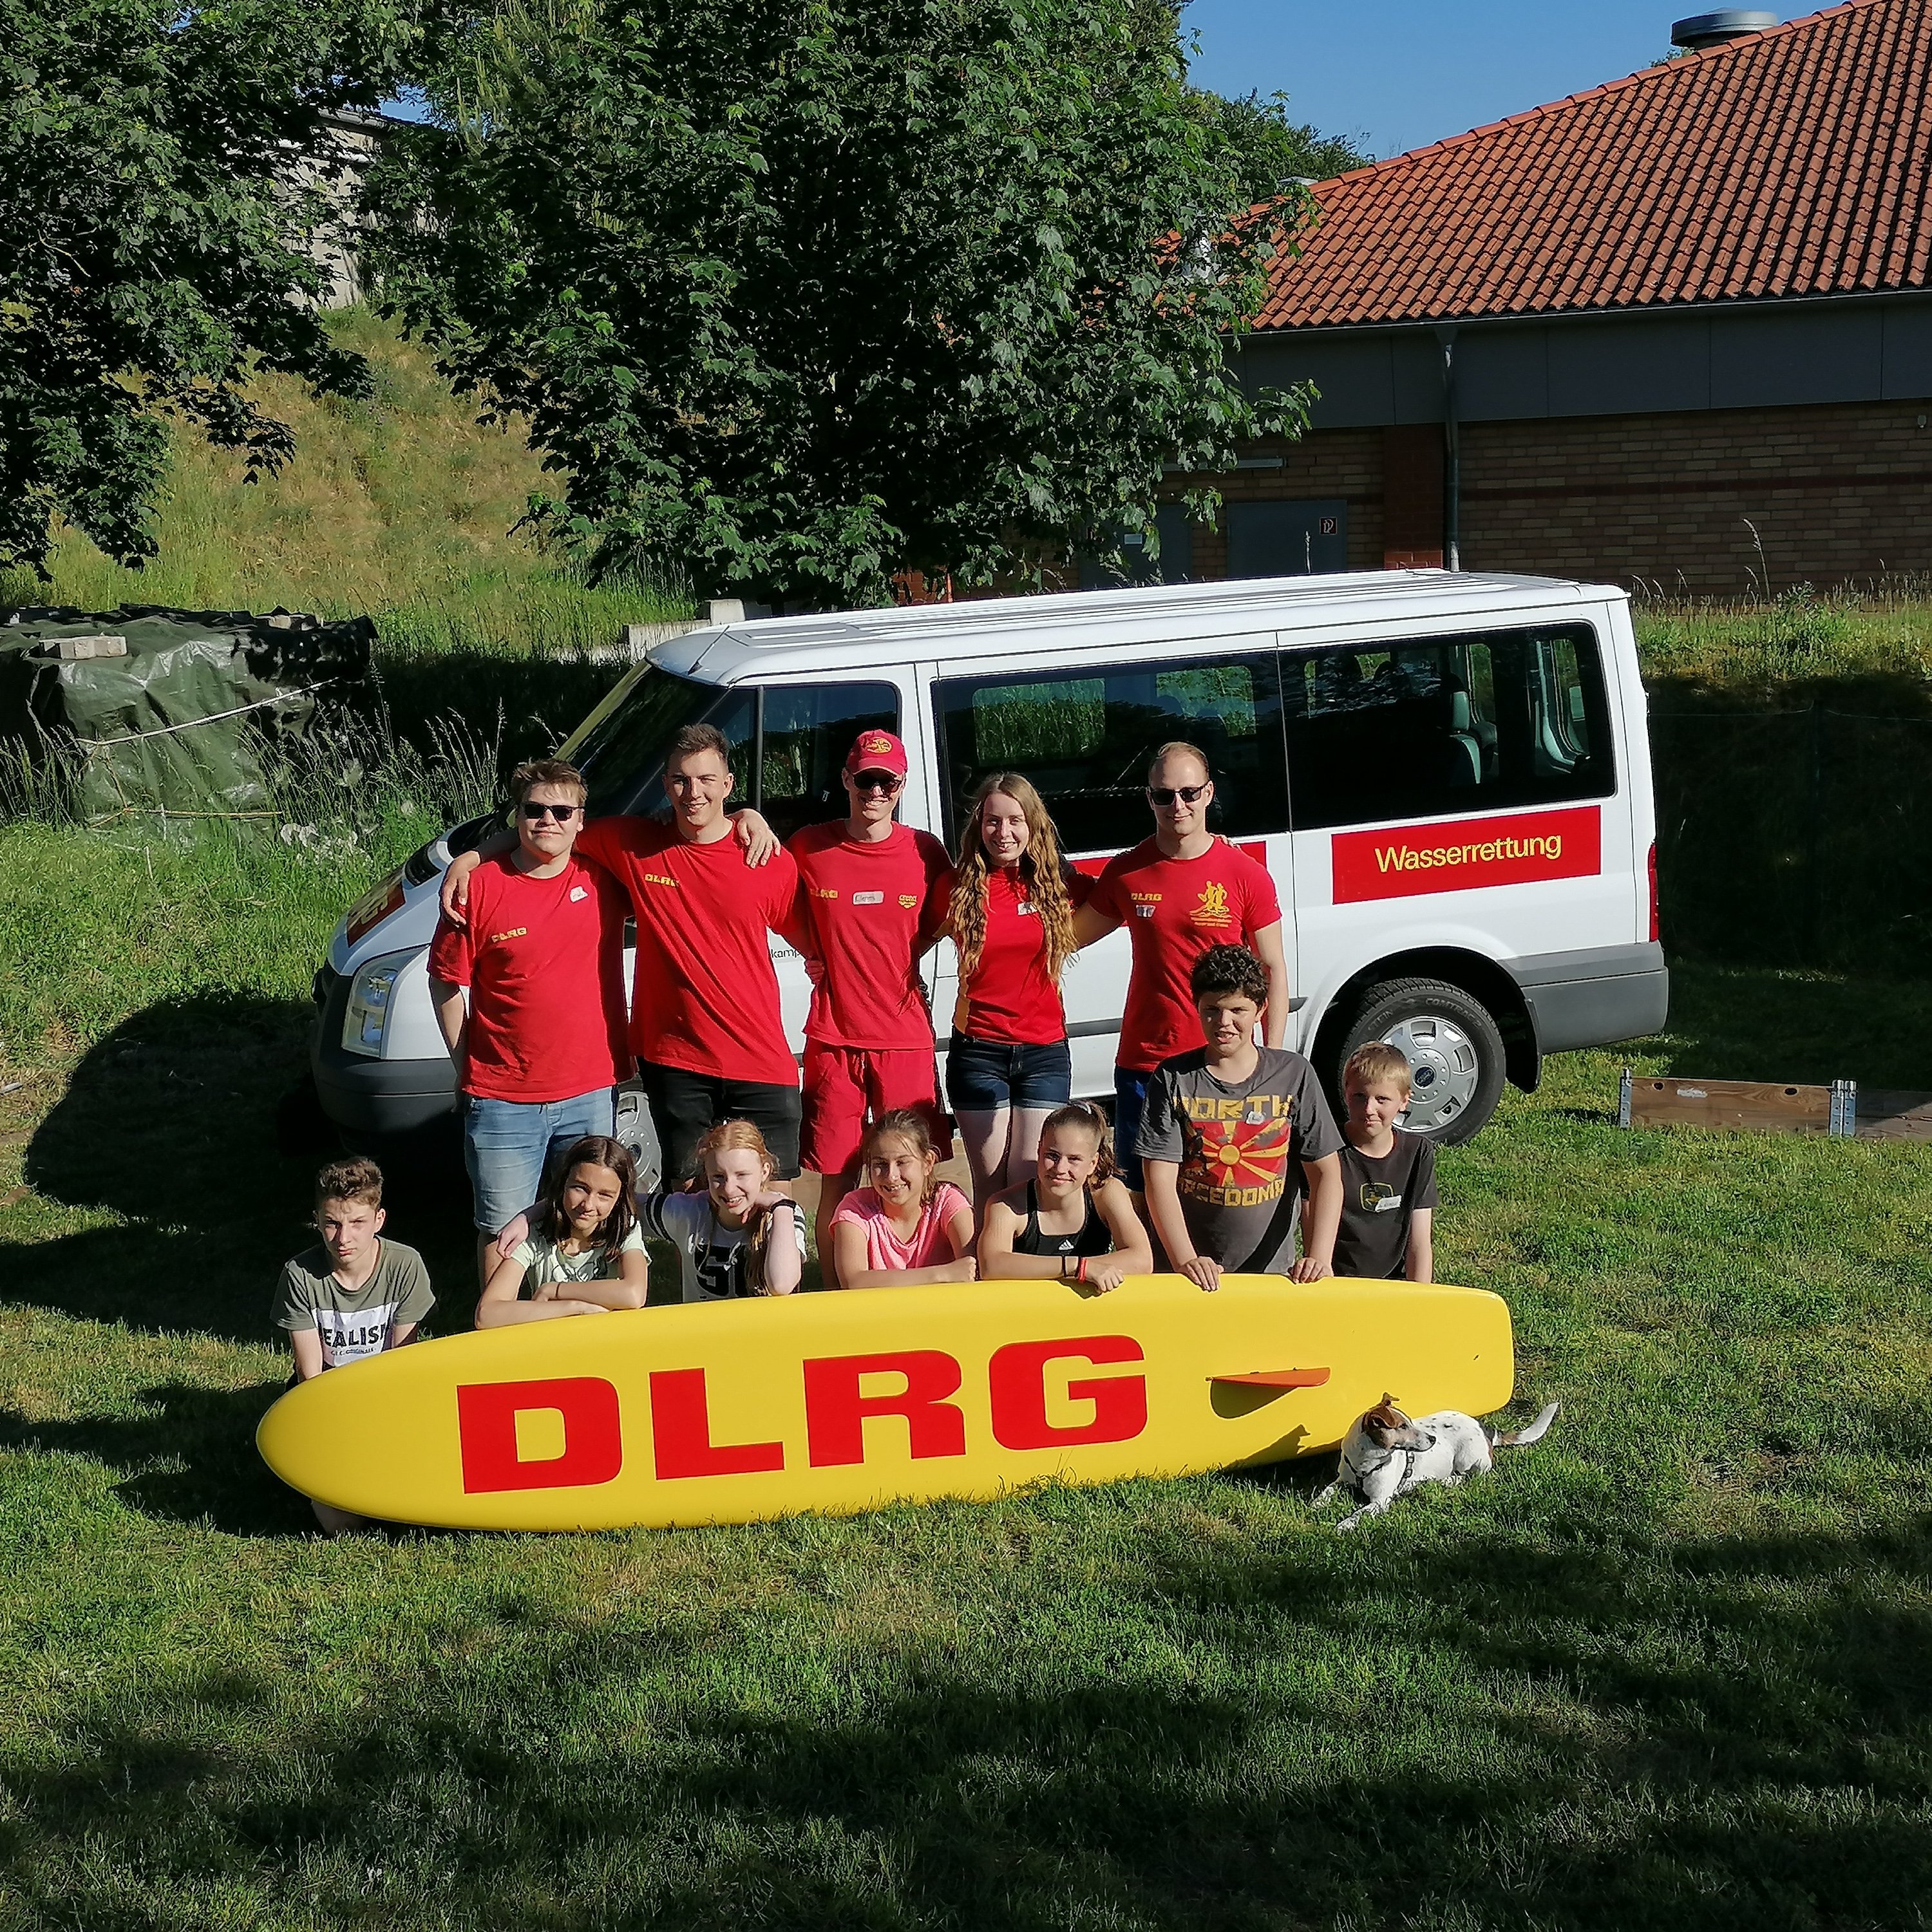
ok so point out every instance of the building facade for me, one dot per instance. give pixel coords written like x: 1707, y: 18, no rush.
x: 1674, y: 332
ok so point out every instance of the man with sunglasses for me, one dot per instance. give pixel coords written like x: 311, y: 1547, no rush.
x: 1178, y: 893
x: 540, y: 1044
x: 872, y: 895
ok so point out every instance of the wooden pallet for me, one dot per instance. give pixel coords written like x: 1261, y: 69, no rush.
x: 1840, y: 1110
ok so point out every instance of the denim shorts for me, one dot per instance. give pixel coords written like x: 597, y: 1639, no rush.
x: 1129, y: 1104
x: 507, y: 1144
x: 983, y: 1075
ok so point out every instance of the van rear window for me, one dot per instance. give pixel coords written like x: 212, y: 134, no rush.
x: 1085, y: 741
x: 1446, y: 725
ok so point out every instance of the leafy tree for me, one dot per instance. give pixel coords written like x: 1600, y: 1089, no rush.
x: 794, y: 293
x: 160, y: 166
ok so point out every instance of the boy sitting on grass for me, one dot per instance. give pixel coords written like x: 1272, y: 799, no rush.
x: 354, y: 1295
x: 1224, y: 1125
x: 1388, y: 1176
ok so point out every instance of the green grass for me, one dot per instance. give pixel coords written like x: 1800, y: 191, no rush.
x: 1669, y: 1669
x: 400, y: 506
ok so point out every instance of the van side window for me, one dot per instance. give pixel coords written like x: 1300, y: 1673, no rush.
x: 1086, y: 741
x: 1448, y: 725
x: 807, y: 731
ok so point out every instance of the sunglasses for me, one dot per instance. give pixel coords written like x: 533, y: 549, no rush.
x: 1167, y: 794
x: 884, y: 783
x: 563, y: 814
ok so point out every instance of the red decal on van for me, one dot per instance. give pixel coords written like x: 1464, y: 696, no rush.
x: 1016, y: 1379
x: 486, y: 1428
x: 1255, y: 849
x: 836, y: 1410
x: 681, y: 1444
x: 1463, y: 854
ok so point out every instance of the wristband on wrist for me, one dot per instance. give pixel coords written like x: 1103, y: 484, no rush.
x: 1080, y: 1273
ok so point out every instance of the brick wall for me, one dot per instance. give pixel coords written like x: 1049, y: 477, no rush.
x: 1344, y: 462
x: 1837, y: 492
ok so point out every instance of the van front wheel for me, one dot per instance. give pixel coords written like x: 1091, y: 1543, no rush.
x: 1455, y: 1052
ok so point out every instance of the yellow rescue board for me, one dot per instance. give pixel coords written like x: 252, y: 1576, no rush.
x: 738, y: 1411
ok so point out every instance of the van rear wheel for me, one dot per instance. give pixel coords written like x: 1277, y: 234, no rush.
x: 1455, y: 1050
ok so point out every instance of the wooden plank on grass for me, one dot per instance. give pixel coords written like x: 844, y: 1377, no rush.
x: 1751, y: 1106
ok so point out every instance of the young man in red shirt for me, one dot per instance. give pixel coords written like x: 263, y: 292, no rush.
x: 540, y: 1042
x: 872, y: 896
x: 705, y: 1023
x: 1179, y: 892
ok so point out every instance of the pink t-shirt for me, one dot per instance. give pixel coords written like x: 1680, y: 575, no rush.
x: 927, y: 1247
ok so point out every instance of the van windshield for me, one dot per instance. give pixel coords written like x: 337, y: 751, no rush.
x: 619, y: 748
x: 804, y: 730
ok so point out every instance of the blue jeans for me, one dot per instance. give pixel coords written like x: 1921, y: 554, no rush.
x: 983, y: 1075
x: 1129, y: 1104
x: 507, y: 1145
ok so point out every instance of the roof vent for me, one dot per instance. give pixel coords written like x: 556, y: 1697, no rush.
x: 1713, y: 30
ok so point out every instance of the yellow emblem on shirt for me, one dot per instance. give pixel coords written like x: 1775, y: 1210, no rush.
x: 1212, y: 912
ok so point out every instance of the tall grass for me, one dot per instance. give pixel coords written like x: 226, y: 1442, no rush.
x: 1877, y: 638
x: 401, y: 506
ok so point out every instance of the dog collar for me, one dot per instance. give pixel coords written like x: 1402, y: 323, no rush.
x: 1355, y: 1479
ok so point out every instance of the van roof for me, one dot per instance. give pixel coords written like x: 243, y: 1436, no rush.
x: 1151, y: 614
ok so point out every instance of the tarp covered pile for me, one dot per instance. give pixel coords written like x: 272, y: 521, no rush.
x: 170, y: 710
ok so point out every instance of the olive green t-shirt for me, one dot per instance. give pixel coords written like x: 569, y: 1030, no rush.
x: 353, y: 1322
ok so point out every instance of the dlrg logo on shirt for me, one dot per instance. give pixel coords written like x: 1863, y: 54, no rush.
x: 1212, y: 913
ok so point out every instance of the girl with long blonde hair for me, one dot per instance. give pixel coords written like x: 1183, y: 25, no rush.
x: 1013, y: 902
x: 742, y: 1236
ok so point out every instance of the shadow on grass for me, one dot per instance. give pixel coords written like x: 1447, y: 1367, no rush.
x: 1597, y: 1736
x: 175, y: 1123
x: 190, y: 1457
x: 1749, y: 1023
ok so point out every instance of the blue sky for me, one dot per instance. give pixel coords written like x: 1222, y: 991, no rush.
x: 1399, y: 73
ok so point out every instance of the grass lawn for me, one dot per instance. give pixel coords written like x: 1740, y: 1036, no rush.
x: 1671, y: 1668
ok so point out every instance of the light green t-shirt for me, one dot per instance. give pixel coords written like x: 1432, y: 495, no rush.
x: 544, y: 1262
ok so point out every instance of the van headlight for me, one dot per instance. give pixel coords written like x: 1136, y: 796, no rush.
x: 371, y: 993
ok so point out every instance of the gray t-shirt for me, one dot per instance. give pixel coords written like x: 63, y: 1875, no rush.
x: 353, y: 1322
x: 1234, y: 1144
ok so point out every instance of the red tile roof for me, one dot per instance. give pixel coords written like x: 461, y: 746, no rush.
x: 1795, y: 162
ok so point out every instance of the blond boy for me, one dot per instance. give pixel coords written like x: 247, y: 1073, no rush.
x: 1388, y: 1175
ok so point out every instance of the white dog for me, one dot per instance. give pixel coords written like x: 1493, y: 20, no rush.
x: 1385, y: 1455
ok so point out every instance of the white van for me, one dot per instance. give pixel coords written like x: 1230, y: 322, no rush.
x: 1447, y: 774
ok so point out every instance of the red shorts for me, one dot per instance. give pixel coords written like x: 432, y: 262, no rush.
x: 845, y: 1087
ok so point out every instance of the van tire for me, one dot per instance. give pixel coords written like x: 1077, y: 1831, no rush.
x: 1453, y: 1044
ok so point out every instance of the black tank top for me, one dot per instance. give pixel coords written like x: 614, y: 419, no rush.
x: 1094, y: 1236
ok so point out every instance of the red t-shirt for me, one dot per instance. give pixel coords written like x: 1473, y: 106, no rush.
x: 544, y: 961
x: 704, y: 995
x: 1009, y: 999
x: 1175, y: 909
x: 868, y: 913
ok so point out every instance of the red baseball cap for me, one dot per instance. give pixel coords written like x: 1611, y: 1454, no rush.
x: 877, y: 751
